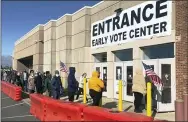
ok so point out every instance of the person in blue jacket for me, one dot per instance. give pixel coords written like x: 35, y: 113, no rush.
x: 56, y: 85
x: 72, y: 84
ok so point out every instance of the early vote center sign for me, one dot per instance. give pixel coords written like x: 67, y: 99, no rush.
x: 143, y: 21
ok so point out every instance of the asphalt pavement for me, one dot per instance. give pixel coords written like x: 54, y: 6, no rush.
x: 15, y: 111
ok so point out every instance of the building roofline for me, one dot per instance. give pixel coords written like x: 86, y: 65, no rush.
x: 49, y: 22
x: 80, y: 10
x: 20, y: 39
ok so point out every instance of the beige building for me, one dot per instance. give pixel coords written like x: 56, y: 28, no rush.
x: 82, y: 40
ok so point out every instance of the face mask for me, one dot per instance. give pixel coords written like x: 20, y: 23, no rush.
x: 56, y: 75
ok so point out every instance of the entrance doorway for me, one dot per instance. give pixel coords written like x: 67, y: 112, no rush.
x: 101, y: 67
x: 161, y: 59
x: 165, y: 69
x: 124, y: 72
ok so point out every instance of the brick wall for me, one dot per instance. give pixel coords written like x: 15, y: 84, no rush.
x: 181, y: 48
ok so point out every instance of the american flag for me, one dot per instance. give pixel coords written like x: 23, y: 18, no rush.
x: 63, y: 68
x: 152, y: 75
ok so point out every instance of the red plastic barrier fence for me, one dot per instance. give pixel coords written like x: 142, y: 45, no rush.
x: 101, y: 114
x: 2, y: 86
x: 57, y: 110
x: 37, y: 106
x: 5, y: 88
x: 15, y: 92
x: 11, y: 90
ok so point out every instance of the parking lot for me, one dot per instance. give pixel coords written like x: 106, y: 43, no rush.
x: 15, y: 111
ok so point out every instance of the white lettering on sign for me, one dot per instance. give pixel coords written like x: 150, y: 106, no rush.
x: 151, y: 18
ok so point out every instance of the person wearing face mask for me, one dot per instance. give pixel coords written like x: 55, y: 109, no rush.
x: 56, y: 85
x: 38, y: 83
x: 18, y: 79
x: 13, y: 77
x: 31, y: 82
x: 72, y: 84
x: 47, y: 85
x: 25, y: 80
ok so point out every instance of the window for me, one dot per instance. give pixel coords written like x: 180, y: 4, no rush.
x: 118, y: 73
x: 124, y: 55
x: 166, y: 79
x: 105, y: 78
x: 129, y: 80
x: 158, y: 51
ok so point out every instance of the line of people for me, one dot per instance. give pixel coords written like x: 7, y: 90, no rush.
x: 44, y: 83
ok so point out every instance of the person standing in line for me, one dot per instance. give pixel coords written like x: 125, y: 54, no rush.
x: 10, y: 76
x: 31, y: 82
x: 18, y: 79
x: 22, y: 80
x: 38, y: 83
x: 139, y: 89
x: 47, y: 85
x: 81, y: 85
x: 5, y: 76
x: 72, y: 84
x: 153, y: 94
x: 1, y: 75
x: 56, y: 85
x: 25, y: 78
x: 96, y: 85
x: 13, y: 77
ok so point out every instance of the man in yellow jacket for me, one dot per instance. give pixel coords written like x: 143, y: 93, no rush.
x: 95, y: 88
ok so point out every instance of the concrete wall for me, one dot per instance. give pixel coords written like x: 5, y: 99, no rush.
x: 30, y: 44
x: 63, y: 43
x: 50, y: 47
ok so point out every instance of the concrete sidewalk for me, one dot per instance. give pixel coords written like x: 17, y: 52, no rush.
x: 127, y: 106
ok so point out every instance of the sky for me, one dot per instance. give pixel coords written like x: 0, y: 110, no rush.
x: 19, y: 17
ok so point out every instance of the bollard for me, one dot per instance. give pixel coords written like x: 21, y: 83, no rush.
x: 179, y: 110
x: 84, y: 100
x: 149, y: 99
x: 120, y: 103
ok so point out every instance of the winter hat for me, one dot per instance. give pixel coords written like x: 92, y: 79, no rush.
x: 56, y: 72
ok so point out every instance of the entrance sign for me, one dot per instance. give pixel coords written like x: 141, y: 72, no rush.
x: 143, y: 21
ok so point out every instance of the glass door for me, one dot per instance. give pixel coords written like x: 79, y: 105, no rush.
x: 98, y: 68
x: 153, y: 63
x: 128, y: 81
x: 102, y: 69
x: 118, y: 75
x: 168, y: 92
x: 104, y: 77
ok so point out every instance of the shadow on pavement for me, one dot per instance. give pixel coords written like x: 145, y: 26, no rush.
x: 128, y: 108
x: 110, y: 105
x: 25, y: 95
